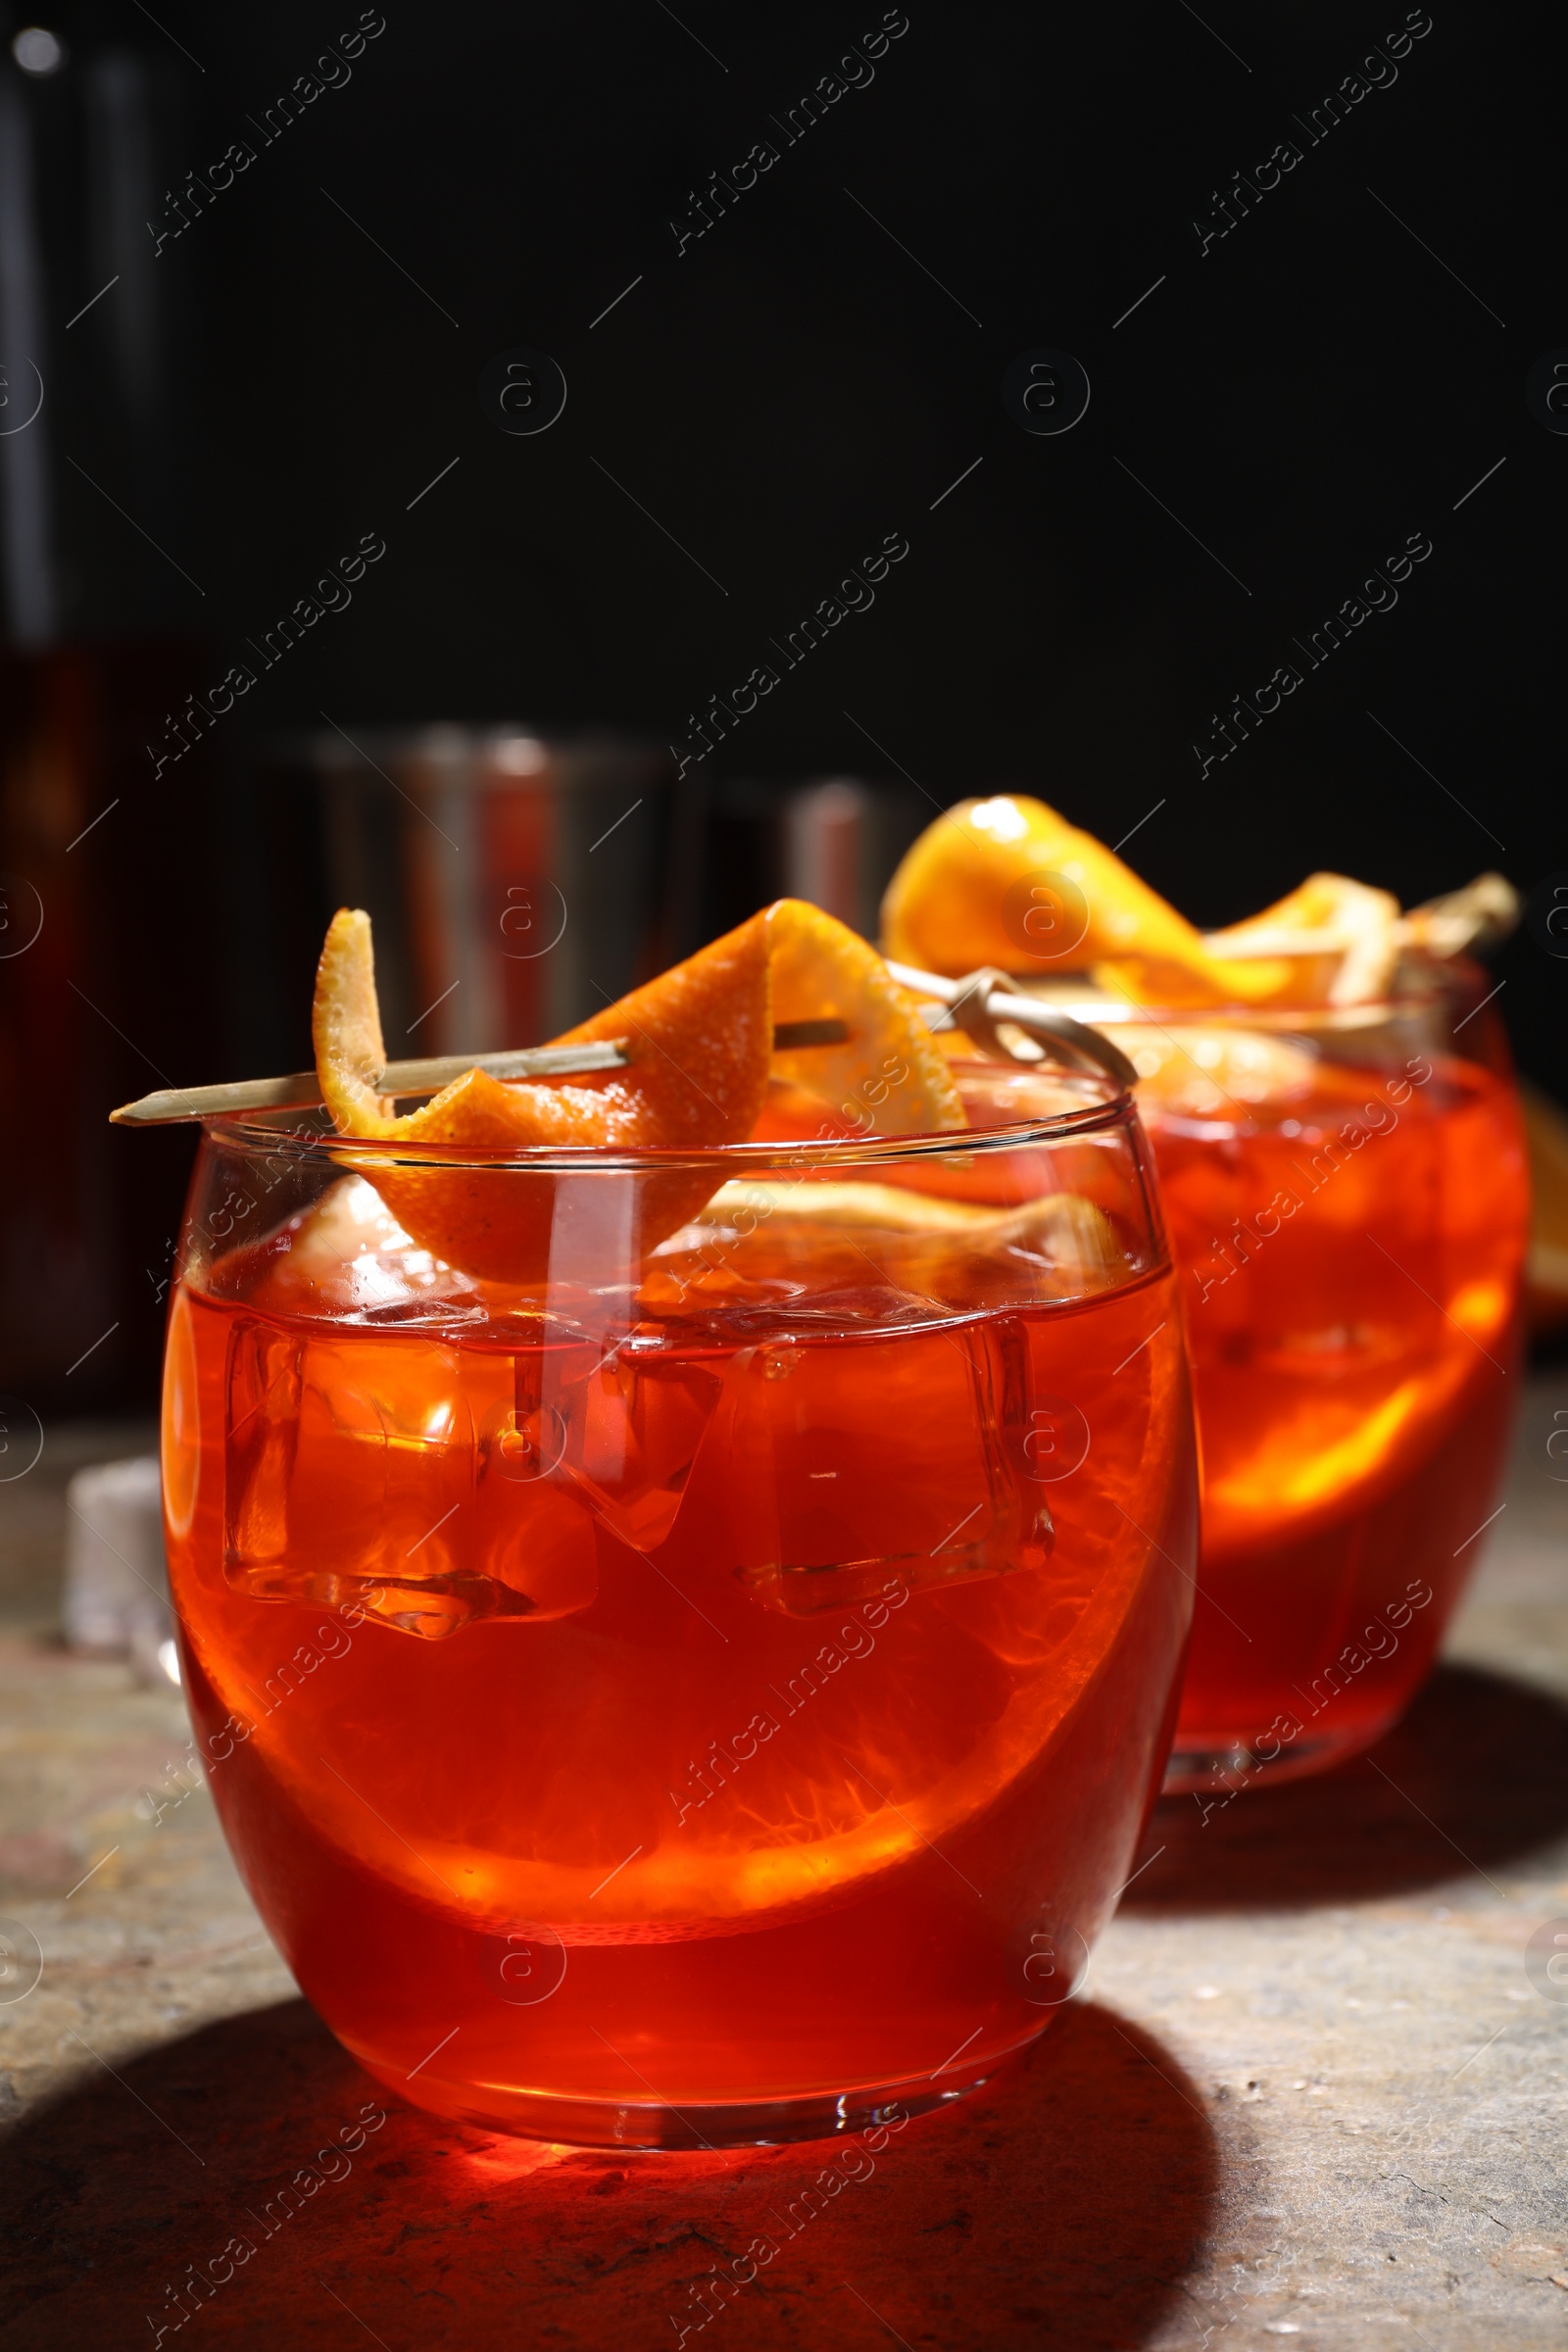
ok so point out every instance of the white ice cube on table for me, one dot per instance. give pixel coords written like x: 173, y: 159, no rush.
x: 117, y: 1582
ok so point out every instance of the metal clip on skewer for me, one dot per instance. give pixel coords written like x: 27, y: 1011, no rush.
x: 983, y: 999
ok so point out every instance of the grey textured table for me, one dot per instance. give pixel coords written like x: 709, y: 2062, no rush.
x: 1309, y: 2089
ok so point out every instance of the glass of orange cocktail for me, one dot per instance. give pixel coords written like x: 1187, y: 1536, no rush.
x: 1346, y: 1200
x: 1340, y: 1152
x: 697, y: 1683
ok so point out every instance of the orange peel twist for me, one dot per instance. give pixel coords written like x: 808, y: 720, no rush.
x: 700, y: 1040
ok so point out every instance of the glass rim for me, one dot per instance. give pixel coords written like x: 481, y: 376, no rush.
x: 1107, y: 1106
x: 1101, y: 1012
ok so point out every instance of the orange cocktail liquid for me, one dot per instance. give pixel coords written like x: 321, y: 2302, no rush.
x: 749, y: 1714
x: 1350, y: 1261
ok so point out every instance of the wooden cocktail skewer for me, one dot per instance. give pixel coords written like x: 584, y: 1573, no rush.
x: 302, y: 1091
x: 1481, y: 915
x: 975, y: 1004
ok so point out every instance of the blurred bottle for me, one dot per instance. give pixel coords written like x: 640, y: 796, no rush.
x: 105, y: 890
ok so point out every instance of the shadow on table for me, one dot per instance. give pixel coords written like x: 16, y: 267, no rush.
x: 1058, y: 2207
x: 1475, y: 1776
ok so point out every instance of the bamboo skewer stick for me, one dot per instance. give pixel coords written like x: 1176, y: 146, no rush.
x: 976, y: 1003
x: 302, y: 1091
x: 1480, y: 915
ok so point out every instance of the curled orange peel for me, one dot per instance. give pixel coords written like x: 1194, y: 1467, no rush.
x: 701, y: 1042
x: 1007, y: 881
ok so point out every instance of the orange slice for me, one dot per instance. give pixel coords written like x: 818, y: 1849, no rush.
x: 917, y: 1242
x: 1008, y: 882
x: 701, y: 1041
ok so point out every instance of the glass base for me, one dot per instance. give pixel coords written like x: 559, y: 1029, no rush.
x: 1224, y: 1768
x: 588, y: 2123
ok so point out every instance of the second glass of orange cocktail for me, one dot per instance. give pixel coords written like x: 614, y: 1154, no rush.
x: 1342, y: 1168
x: 683, y: 1624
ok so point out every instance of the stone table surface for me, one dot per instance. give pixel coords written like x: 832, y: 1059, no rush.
x: 1309, y: 2090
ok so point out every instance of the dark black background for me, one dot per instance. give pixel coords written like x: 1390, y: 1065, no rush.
x: 795, y: 385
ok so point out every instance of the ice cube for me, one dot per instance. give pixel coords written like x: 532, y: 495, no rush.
x: 261, y: 1434
x: 346, y: 1256
x: 633, y: 1434
x: 533, y: 1531
x: 850, y: 1467
x: 399, y: 1473
x: 347, y: 1453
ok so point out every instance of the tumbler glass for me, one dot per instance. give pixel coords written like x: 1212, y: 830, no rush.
x: 712, y: 1695
x: 1348, y: 1201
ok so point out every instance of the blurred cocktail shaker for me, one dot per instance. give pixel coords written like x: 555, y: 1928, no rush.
x: 517, y: 883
